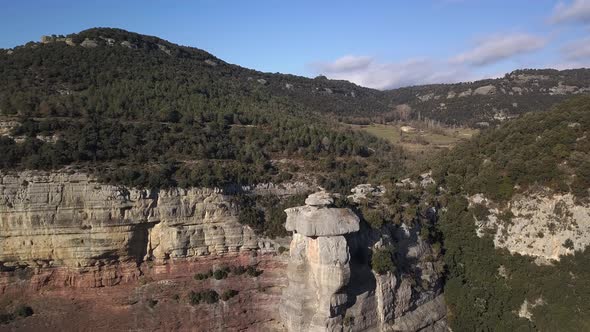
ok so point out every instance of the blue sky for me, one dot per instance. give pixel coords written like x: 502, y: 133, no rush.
x: 381, y: 44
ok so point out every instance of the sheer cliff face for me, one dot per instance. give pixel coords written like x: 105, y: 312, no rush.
x: 90, y: 256
x: 59, y: 219
x: 123, y: 253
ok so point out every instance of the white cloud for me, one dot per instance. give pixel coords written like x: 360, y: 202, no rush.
x: 348, y: 63
x: 367, y: 71
x: 576, y: 11
x: 497, y: 48
x: 578, y: 50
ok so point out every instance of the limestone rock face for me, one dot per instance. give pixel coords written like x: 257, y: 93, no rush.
x: 320, y: 198
x: 319, y: 268
x: 544, y: 225
x: 89, y: 43
x: 331, y: 286
x: 68, y: 219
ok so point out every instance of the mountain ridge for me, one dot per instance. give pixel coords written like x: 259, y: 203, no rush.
x: 452, y: 103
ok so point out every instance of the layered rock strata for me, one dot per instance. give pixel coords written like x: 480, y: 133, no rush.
x: 99, y: 235
x: 59, y: 219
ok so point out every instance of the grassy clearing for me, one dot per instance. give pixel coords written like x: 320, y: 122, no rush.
x: 419, y: 140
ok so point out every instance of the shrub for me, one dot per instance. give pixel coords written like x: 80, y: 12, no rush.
x: 220, y: 274
x: 195, y: 297
x: 253, y: 271
x: 24, y: 311
x: 569, y: 244
x: 282, y: 249
x: 373, y: 217
x: 210, y: 296
x: 6, y: 318
x: 381, y: 262
x: 238, y: 270
x: 228, y: 294
x: 203, y: 276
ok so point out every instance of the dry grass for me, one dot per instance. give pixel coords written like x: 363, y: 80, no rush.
x: 419, y: 140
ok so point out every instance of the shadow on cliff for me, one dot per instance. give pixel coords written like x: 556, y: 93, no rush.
x: 362, y: 279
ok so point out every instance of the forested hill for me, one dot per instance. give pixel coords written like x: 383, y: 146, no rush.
x: 492, y: 271
x: 492, y: 101
x: 100, y: 57
x: 140, y: 111
x: 35, y: 76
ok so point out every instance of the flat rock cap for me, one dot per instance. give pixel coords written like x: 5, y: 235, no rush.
x: 314, y: 221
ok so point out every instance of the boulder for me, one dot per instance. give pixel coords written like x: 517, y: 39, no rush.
x: 321, y: 198
x: 89, y: 43
x: 485, y: 90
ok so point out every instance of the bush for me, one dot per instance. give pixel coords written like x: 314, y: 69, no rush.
x: 203, y: 276
x: 24, y: 311
x: 253, y: 271
x: 282, y: 249
x: 228, y: 294
x: 220, y: 274
x: 238, y: 270
x: 6, y: 318
x: 381, y: 262
x: 195, y: 297
x: 373, y: 217
x: 208, y: 296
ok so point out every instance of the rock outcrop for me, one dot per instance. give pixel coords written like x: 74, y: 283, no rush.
x: 543, y: 225
x: 67, y: 219
x: 319, y: 269
x: 61, y: 219
x: 331, y: 286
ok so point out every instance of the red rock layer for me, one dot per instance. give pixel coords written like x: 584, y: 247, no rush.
x: 125, y: 297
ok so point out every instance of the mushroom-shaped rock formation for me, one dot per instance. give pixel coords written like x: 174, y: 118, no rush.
x: 319, y: 268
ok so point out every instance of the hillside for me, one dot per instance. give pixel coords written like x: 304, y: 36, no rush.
x: 492, y: 101
x: 144, y: 112
x: 516, y: 224
x: 62, y: 66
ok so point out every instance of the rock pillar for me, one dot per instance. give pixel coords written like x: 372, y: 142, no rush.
x: 319, y: 269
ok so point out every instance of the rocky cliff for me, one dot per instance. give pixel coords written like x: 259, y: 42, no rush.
x: 60, y: 219
x: 331, y: 286
x: 71, y: 244
x: 542, y: 224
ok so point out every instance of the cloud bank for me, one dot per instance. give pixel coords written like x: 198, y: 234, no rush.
x: 576, y: 11
x: 368, y: 71
x: 496, y: 48
x: 577, y: 50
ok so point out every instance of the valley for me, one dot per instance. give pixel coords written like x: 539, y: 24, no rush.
x: 146, y: 185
